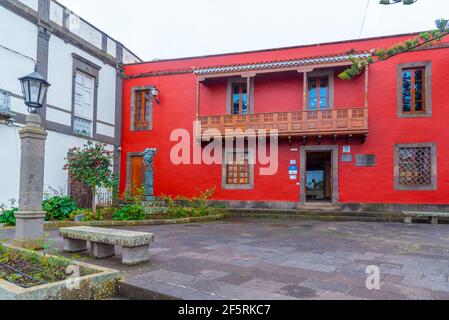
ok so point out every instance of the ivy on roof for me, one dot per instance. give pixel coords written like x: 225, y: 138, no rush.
x: 424, y: 39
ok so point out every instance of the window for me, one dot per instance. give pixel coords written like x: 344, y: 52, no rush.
x: 83, y: 104
x: 238, y: 170
x: 413, y: 90
x: 415, y: 167
x: 141, y: 109
x: 239, y: 98
x: 318, y: 94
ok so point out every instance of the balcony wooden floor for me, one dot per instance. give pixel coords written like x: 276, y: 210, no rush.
x: 335, y: 122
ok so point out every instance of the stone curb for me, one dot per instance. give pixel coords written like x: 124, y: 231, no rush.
x: 319, y: 217
x: 63, y: 224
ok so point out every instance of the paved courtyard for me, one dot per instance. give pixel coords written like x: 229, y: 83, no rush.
x: 290, y: 259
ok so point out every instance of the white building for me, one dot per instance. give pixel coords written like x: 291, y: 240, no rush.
x: 83, y: 65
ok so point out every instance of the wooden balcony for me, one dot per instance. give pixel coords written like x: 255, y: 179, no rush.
x: 335, y: 122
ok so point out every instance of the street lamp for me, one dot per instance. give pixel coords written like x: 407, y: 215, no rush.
x: 34, y: 89
x: 30, y: 216
x: 155, y: 94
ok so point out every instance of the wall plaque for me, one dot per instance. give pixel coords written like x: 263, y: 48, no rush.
x: 346, y: 158
x: 5, y: 101
x: 365, y: 160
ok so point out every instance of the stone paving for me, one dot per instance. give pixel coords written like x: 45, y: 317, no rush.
x: 290, y: 259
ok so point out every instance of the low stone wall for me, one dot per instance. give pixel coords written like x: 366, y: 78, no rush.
x: 62, y: 224
x: 385, y: 207
x: 347, y: 207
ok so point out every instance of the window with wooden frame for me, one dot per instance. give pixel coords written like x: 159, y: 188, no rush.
x: 239, y: 98
x: 414, y: 90
x: 141, y: 109
x: 318, y: 93
x: 238, y: 170
x: 415, y: 167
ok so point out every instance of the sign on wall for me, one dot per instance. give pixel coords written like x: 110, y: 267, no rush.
x: 346, y: 149
x: 365, y: 160
x: 5, y: 101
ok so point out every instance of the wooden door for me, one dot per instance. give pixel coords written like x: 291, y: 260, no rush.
x: 81, y: 194
x: 137, y: 173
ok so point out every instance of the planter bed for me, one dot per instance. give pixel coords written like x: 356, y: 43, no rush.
x: 62, y: 224
x: 29, y: 275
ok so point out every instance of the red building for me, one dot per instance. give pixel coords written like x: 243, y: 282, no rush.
x: 379, y: 140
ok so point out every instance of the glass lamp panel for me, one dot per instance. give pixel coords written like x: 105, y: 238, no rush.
x: 35, y: 87
x: 26, y: 92
x: 43, y: 94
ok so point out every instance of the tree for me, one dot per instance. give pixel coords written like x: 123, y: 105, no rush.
x: 92, y: 165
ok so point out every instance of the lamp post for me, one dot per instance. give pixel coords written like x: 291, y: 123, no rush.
x: 30, y: 217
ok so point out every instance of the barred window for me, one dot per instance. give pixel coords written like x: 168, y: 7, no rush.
x: 237, y: 168
x: 416, y: 166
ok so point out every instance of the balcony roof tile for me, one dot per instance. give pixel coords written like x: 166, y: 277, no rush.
x: 281, y: 63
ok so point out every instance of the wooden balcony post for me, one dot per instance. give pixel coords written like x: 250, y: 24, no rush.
x: 198, y: 86
x: 306, y: 80
x: 366, y: 85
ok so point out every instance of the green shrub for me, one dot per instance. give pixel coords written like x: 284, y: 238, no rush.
x: 130, y: 212
x: 183, y: 207
x: 59, y: 208
x: 7, y: 217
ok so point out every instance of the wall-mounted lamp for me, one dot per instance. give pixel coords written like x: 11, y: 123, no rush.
x: 155, y: 94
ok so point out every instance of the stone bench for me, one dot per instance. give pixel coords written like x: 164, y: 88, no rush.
x: 135, y: 245
x: 433, y: 216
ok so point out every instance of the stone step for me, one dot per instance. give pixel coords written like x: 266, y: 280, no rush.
x: 317, y: 215
x: 307, y: 211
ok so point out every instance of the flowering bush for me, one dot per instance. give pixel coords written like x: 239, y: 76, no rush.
x: 92, y: 165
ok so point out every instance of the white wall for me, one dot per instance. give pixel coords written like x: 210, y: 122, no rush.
x: 20, y: 35
x: 60, y: 75
x: 56, y: 148
x: 9, y: 163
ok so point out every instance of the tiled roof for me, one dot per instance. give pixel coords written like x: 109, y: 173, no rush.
x: 280, y: 63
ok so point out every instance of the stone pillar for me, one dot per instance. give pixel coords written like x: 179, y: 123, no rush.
x: 30, y: 217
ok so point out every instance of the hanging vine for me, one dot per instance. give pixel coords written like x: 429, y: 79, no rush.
x: 424, y: 39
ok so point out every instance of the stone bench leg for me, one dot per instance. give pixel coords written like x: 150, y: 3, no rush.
x: 74, y: 245
x: 434, y: 220
x: 135, y: 255
x: 101, y: 250
x: 408, y: 220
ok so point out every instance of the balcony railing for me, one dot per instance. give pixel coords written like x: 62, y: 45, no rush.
x: 353, y: 121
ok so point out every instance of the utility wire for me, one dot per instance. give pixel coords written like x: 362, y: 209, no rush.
x: 20, y: 54
x: 364, y: 18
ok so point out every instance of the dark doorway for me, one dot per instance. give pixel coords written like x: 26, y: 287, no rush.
x: 319, y: 177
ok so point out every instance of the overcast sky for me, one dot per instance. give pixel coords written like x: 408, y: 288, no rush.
x: 158, y: 29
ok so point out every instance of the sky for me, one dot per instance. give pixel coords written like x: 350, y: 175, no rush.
x: 162, y: 29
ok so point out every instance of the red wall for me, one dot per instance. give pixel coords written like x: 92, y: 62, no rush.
x: 283, y: 92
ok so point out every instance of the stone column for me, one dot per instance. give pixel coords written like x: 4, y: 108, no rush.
x: 30, y: 217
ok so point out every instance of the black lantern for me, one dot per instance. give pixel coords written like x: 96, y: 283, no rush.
x: 34, y: 89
